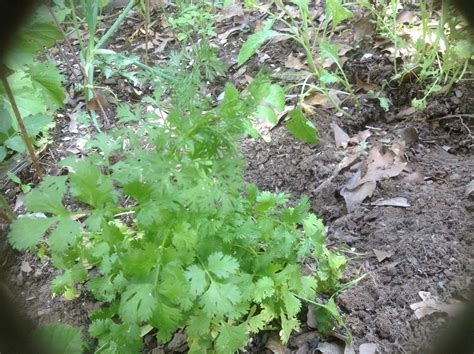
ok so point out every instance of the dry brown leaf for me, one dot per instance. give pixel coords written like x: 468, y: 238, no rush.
x: 317, y: 99
x: 222, y: 37
x: 276, y: 346
x: 405, y: 16
x: 365, y: 86
x: 431, y: 304
x: 98, y: 100
x: 343, y: 49
x: 341, y: 137
x: 382, y: 255
x: 295, y: 63
x: 354, y: 192
x: 363, y: 27
x: 382, y: 165
x: 229, y: 12
x: 395, y: 202
x: 361, y: 136
x: 406, y: 112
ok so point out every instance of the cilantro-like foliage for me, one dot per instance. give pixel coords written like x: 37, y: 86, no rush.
x: 171, y: 237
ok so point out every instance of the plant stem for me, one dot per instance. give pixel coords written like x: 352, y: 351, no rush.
x: 26, y: 138
x: 115, y: 25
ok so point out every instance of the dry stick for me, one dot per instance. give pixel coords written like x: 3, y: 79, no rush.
x: 84, y: 75
x: 29, y: 146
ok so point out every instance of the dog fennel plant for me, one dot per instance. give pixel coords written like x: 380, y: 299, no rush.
x: 172, y: 237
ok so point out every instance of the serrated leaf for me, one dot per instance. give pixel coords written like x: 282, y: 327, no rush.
x: 32, y: 38
x: 336, y: 12
x: 26, y: 232
x: 219, y: 299
x: 222, y: 265
x: 137, y: 303
x: 301, y: 127
x: 48, y: 196
x: 88, y: 184
x: 124, y: 114
x: 102, y: 288
x: 264, y: 288
x: 60, y: 338
x: 328, y: 50
x: 48, y: 81
x: 314, y: 228
x: 292, y: 303
x: 64, y: 235
x: 167, y: 319
x: 255, y: 41
x: 258, y: 322
x: 197, y: 278
x: 231, y: 338
x: 288, y: 325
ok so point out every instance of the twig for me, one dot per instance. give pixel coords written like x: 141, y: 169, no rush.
x: 451, y: 116
x: 11, y: 98
x: 460, y: 117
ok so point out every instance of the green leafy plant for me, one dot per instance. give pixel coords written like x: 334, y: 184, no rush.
x: 437, y: 57
x: 36, y: 85
x: 193, y: 21
x: 315, y: 41
x: 60, y: 338
x: 172, y: 237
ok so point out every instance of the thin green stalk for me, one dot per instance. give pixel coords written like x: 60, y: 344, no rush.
x: 76, y: 25
x: 116, y: 24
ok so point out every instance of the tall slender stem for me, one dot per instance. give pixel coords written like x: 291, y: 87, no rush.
x: 115, y: 25
x: 26, y: 138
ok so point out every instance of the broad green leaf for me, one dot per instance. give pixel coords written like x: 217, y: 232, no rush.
x: 65, y: 234
x: 35, y: 123
x: 61, y: 338
x: 336, y: 12
x: 102, y: 288
x: 88, y: 184
x: 5, y: 120
x: 220, y: 299
x: 255, y: 41
x: 222, y: 265
x: 26, y: 232
x: 137, y: 303
x: 464, y: 49
x: 16, y: 143
x: 32, y: 38
x: 301, y: 127
x: 3, y: 153
x: 47, y: 80
x: 197, y: 278
x: 231, y: 338
x: 48, y: 196
x: 167, y: 319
